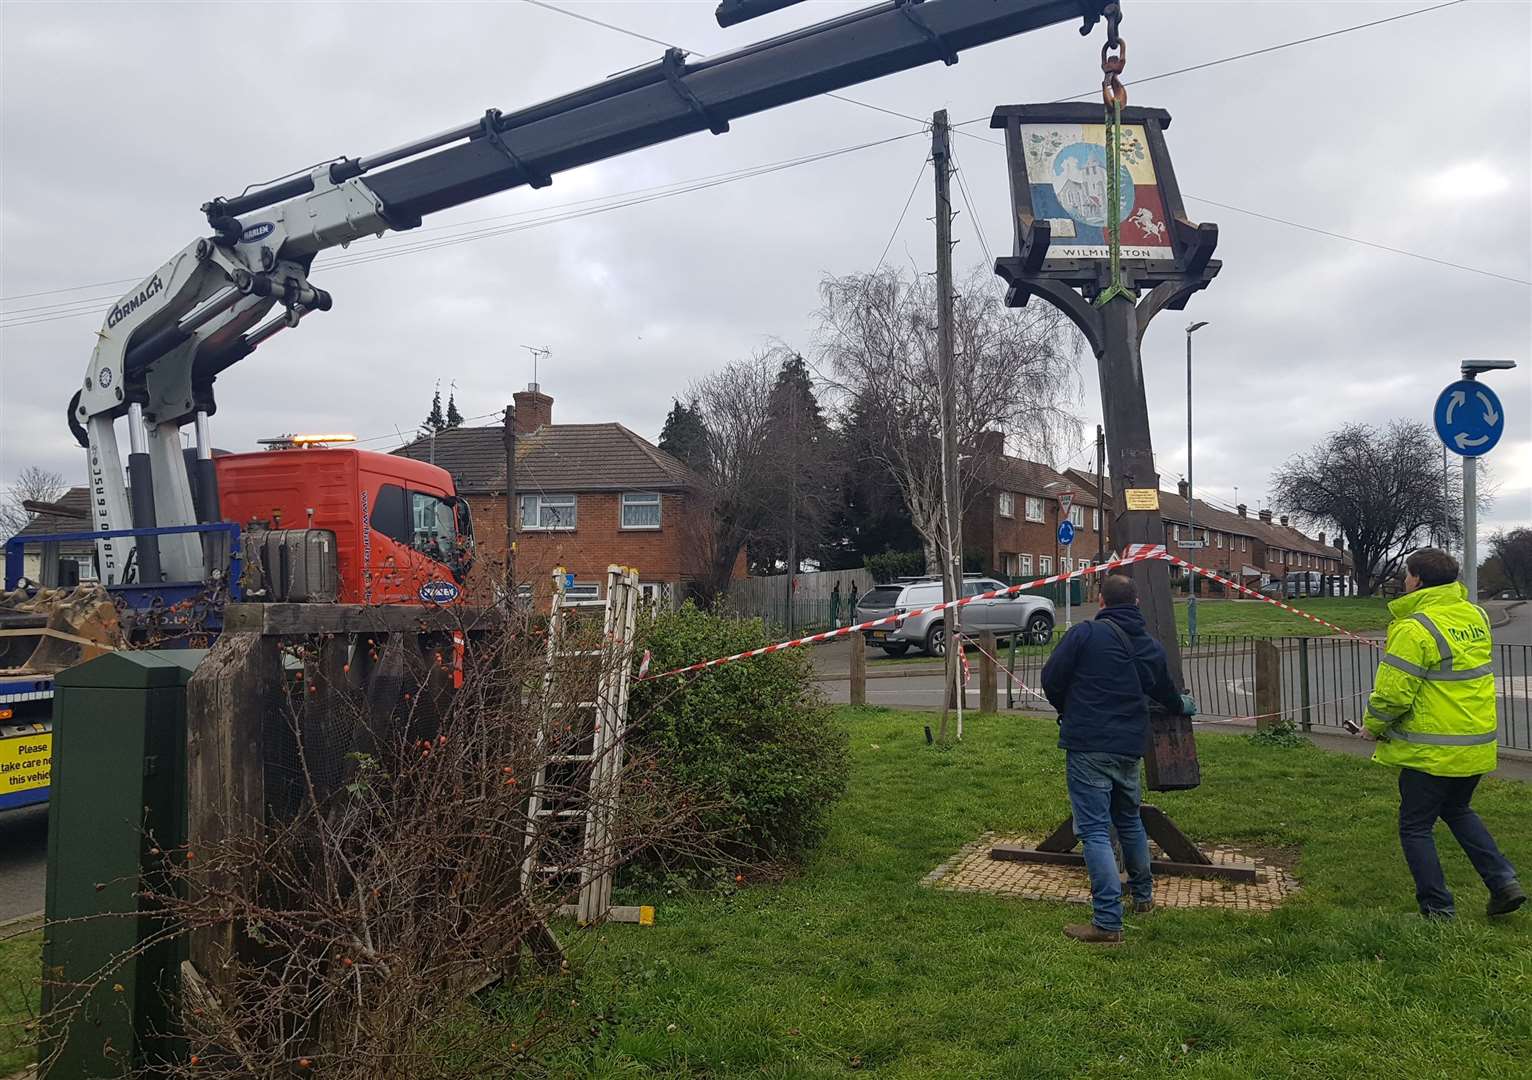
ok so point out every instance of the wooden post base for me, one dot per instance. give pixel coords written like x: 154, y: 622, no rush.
x: 1186, y: 859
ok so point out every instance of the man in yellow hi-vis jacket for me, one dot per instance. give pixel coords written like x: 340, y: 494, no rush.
x: 1432, y: 712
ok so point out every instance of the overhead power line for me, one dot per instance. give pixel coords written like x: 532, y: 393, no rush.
x: 911, y: 198
x: 409, y: 244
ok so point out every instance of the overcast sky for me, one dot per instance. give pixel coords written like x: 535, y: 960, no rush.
x: 120, y: 119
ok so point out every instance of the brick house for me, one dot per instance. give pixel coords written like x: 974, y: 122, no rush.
x: 589, y: 495
x: 1012, y: 523
x: 1249, y: 550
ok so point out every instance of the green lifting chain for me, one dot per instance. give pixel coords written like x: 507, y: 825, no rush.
x: 1113, y: 93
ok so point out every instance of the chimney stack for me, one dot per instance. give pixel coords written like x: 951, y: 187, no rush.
x: 1265, y: 515
x: 991, y: 442
x: 1242, y: 508
x: 534, y: 409
x: 1283, y: 519
x: 1321, y: 539
x: 1184, y: 488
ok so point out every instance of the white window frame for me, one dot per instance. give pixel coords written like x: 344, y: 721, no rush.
x: 555, y: 502
x: 640, y: 499
x: 1006, y: 505
x: 1066, y: 564
x: 1244, y: 543
x: 583, y: 590
x: 1044, y: 565
x: 1026, y: 565
x: 1219, y: 538
x: 1095, y: 519
x: 1077, y: 516
x: 1034, y: 508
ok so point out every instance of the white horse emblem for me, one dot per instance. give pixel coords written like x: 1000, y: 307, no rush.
x: 1146, y: 223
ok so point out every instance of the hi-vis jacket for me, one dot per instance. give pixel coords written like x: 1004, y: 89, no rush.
x: 1433, y: 706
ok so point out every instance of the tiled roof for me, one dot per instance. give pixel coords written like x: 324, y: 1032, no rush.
x: 1031, y: 478
x: 560, y: 457
x: 77, y: 498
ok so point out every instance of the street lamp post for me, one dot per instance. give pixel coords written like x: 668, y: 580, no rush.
x: 1191, y: 513
x: 1471, y: 370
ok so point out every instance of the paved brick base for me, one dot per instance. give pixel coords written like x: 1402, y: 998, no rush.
x: 972, y: 870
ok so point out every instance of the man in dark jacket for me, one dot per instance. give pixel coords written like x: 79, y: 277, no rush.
x: 1101, y: 678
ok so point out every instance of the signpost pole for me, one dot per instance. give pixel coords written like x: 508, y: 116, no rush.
x: 1471, y: 527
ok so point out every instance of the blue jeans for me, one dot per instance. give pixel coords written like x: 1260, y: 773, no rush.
x: 1422, y: 799
x: 1103, y: 792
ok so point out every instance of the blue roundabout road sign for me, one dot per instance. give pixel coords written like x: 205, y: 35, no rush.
x: 1468, y: 418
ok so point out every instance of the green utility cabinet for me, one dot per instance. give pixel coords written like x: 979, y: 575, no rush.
x: 119, y: 774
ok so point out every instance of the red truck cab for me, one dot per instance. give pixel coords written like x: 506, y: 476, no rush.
x: 402, y: 535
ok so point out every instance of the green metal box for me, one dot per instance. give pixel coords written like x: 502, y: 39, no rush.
x: 119, y: 775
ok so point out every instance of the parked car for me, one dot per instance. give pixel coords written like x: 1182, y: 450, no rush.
x: 1031, y: 616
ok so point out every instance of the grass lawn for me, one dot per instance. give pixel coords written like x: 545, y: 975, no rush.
x: 20, y: 969
x: 855, y: 969
x: 1254, y: 618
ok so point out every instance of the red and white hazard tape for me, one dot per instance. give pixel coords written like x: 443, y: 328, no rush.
x: 1134, y: 553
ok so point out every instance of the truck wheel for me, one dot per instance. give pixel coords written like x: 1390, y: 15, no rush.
x: 897, y: 650
x: 936, y: 640
x: 1039, y: 629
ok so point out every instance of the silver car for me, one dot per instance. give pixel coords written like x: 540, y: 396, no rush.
x: 1031, y: 616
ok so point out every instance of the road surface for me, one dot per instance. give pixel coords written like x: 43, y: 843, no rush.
x: 23, y: 861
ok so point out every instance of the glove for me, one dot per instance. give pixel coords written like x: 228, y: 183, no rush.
x: 1188, y: 705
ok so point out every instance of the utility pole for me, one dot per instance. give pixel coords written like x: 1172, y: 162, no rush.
x: 510, y: 508
x: 1101, y: 515
x: 1191, y: 509
x: 952, y: 575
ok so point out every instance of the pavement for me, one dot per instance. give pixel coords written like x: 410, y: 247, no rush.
x: 23, y: 861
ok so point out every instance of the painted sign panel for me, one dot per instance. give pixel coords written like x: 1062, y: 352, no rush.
x: 1066, y: 165
x: 1468, y: 417
x: 25, y: 767
x: 1142, y: 498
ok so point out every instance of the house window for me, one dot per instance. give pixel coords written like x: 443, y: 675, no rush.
x: 1244, y: 544
x: 640, y: 510
x: 1045, y: 564
x: 1034, y: 508
x: 1077, y: 516
x: 1066, y: 565
x: 1219, y: 537
x: 1095, y: 519
x: 1007, y: 504
x: 586, y: 590
x: 1026, y: 565
x: 548, y: 512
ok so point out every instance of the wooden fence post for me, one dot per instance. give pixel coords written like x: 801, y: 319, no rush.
x: 989, y: 694
x: 1268, y: 685
x: 227, y: 701
x: 858, y: 642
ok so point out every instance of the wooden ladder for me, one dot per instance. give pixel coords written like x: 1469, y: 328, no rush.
x: 585, y: 686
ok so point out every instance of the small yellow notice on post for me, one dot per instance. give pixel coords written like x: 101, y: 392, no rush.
x: 1142, y: 498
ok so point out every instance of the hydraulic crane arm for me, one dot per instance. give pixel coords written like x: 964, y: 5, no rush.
x: 164, y: 344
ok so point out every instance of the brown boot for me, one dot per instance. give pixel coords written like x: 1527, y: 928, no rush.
x: 1143, y: 907
x: 1093, y: 934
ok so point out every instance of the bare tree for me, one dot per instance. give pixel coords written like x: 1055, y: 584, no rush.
x: 33, y: 484
x: 1383, y: 490
x: 1513, y: 550
x: 1016, y: 373
x: 733, y: 405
